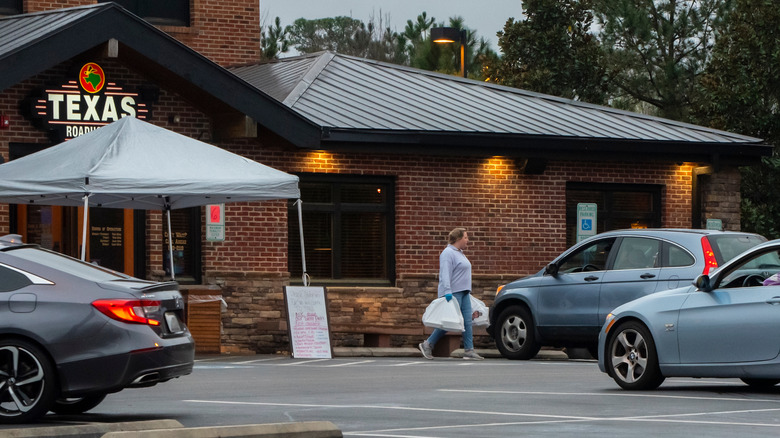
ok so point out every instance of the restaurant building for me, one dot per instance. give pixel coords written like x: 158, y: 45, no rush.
x: 389, y: 159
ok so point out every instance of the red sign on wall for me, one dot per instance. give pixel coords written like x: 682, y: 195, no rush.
x: 215, y: 222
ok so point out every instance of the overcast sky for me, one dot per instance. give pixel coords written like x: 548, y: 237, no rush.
x: 486, y: 18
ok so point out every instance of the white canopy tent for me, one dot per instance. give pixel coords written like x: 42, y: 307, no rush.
x: 136, y: 165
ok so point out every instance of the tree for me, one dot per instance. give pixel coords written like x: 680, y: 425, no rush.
x: 348, y: 36
x: 552, y: 51
x: 336, y: 34
x: 742, y: 87
x: 656, y: 50
x: 273, y: 41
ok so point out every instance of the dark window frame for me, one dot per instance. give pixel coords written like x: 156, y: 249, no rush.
x: 159, y: 13
x: 336, y: 209
x: 195, y: 239
x: 606, y: 215
x: 11, y: 7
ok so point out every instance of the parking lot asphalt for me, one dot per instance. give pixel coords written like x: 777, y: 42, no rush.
x: 173, y: 429
x: 409, y: 396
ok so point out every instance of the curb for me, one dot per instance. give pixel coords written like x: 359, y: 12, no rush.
x: 88, y: 430
x: 306, y: 429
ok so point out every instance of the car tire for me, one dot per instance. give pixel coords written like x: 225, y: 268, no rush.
x: 516, y: 334
x: 28, y: 384
x: 632, y: 359
x: 74, y: 406
x: 761, y: 383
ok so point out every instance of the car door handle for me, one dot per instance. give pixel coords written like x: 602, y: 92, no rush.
x: 773, y: 301
x: 648, y: 275
x: 590, y: 278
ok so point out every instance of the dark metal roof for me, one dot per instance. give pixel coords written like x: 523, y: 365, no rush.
x: 33, y: 43
x: 358, y: 100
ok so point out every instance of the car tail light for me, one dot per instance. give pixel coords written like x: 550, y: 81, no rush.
x: 710, y: 262
x: 130, y: 311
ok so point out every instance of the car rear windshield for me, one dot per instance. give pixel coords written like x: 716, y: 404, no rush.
x: 66, y: 264
x: 728, y: 246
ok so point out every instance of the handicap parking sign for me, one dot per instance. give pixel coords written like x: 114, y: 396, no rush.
x: 587, y: 224
x: 586, y: 220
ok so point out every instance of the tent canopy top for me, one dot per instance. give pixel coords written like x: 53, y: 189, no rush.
x: 134, y: 164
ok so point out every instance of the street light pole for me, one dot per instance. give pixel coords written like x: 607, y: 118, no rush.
x: 446, y: 35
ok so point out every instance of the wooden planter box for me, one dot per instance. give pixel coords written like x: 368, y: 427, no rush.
x: 203, y: 314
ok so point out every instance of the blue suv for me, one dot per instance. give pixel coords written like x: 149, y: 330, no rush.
x: 564, y: 304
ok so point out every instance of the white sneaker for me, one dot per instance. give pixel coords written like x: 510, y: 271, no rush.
x: 426, y: 350
x: 471, y: 355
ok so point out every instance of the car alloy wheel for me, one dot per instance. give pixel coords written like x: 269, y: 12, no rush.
x: 632, y: 357
x: 27, y: 382
x: 516, y: 336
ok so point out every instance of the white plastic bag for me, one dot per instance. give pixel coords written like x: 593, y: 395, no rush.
x: 444, y: 314
x: 478, y: 305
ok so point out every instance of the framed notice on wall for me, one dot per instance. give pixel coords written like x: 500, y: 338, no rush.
x: 307, y: 321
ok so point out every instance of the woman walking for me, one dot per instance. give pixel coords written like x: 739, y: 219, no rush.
x: 455, y: 282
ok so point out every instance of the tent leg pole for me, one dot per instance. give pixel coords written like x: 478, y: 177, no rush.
x: 170, y: 243
x: 303, y: 248
x: 84, y: 229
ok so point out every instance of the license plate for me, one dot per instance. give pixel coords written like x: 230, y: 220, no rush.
x: 174, y: 325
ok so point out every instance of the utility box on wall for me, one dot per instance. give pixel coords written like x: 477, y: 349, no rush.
x: 203, y: 317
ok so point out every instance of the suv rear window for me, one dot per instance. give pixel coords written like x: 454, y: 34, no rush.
x: 728, y: 246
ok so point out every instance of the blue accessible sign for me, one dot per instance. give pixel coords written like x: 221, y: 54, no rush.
x: 586, y: 221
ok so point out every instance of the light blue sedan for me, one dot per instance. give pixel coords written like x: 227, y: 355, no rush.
x: 725, y: 325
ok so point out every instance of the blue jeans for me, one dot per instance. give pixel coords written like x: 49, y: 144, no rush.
x: 464, y: 301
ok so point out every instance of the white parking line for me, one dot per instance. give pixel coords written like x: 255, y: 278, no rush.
x: 302, y: 362
x: 616, y: 394
x: 396, y: 408
x: 540, y: 418
x: 351, y: 363
x: 384, y: 432
x: 244, y: 362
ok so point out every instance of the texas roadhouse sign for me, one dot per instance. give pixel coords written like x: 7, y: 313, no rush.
x: 80, y: 105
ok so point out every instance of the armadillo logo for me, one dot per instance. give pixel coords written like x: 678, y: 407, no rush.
x: 79, y: 105
x: 92, y: 78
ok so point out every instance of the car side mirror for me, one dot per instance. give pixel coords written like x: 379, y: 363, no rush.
x: 551, y: 269
x: 703, y: 283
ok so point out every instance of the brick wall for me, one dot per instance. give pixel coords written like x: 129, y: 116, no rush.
x: 227, y: 32
x: 721, y: 199
x: 516, y: 222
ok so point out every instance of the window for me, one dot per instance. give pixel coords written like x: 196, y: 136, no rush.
x: 618, y: 206
x: 11, y: 280
x: 753, y: 271
x: 185, y: 226
x: 677, y: 257
x: 10, y: 7
x: 72, y: 266
x: 348, y: 229
x: 637, y: 253
x: 161, y: 13
x: 592, y: 257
